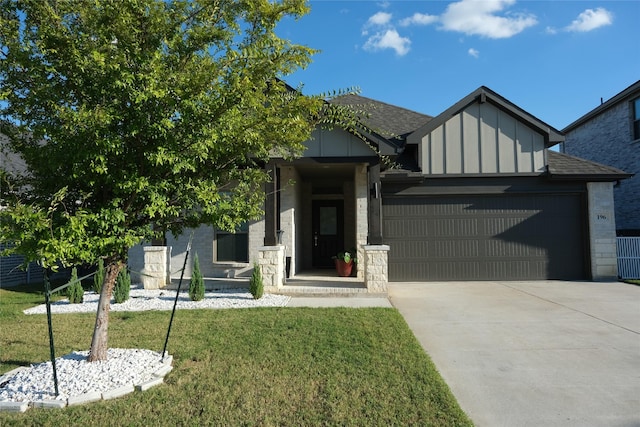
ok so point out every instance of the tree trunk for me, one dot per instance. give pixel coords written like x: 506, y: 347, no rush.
x: 99, y: 341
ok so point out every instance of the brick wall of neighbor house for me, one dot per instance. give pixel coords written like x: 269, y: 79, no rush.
x: 607, y: 139
x: 602, y: 231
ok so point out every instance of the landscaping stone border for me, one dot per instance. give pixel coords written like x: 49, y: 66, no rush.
x: 92, y: 396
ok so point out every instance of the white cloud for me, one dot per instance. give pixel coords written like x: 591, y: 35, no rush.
x: 473, y: 52
x: 591, y: 19
x: 388, y: 39
x: 385, y: 35
x: 419, y: 19
x: 380, y: 18
x: 478, y: 17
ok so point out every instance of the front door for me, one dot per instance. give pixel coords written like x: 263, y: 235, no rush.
x: 328, y: 231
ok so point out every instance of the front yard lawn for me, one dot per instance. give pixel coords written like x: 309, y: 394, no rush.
x: 268, y: 366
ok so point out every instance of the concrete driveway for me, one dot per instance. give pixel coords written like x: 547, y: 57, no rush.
x: 542, y: 353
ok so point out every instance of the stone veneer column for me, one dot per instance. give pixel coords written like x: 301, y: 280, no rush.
x: 362, y: 216
x: 602, y: 231
x: 155, y: 274
x: 376, y: 270
x: 271, y: 261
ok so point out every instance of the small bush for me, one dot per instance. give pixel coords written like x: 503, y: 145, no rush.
x: 123, y: 286
x: 196, y: 285
x: 75, y: 292
x: 255, y: 284
x: 98, y: 278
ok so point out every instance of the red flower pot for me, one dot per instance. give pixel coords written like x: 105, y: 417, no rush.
x: 343, y: 268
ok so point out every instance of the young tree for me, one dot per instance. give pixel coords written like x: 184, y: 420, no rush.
x: 122, y: 287
x: 256, y: 286
x: 75, y: 292
x: 139, y: 117
x: 196, y: 284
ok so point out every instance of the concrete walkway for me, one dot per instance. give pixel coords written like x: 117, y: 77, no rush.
x: 543, y: 353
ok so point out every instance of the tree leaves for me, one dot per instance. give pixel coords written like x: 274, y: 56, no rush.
x: 134, y: 113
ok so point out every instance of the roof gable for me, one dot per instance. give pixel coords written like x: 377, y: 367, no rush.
x: 483, y: 134
x: 481, y: 95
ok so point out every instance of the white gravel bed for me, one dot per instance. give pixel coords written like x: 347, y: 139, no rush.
x: 123, y: 366
x: 76, y: 376
x: 144, y: 299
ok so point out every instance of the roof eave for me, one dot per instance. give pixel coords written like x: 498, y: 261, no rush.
x: 589, y: 177
x: 629, y: 92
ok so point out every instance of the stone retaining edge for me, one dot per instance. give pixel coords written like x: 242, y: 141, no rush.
x: 93, y: 396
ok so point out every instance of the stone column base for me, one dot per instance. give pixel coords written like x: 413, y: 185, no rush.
x: 155, y: 274
x: 376, y: 268
x: 271, y: 261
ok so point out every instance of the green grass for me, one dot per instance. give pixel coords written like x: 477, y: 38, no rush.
x: 632, y: 281
x: 271, y: 366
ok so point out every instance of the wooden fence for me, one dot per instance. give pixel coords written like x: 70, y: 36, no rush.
x: 628, y: 257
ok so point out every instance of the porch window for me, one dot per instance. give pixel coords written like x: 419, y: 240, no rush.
x: 232, y: 247
x: 636, y: 119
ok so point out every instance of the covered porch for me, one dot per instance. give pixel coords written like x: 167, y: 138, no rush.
x: 314, y: 210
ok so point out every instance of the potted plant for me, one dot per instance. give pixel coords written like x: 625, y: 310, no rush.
x: 344, y: 262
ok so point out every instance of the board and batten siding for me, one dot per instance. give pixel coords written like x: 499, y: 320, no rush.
x: 335, y: 143
x: 482, y: 139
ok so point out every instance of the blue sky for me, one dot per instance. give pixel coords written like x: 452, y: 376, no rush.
x: 554, y: 59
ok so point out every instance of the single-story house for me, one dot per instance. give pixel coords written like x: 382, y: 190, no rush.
x: 474, y: 193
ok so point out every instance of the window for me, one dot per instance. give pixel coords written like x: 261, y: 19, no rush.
x: 232, y: 247
x: 636, y: 119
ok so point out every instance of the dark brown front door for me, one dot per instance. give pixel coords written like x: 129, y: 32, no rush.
x: 328, y: 231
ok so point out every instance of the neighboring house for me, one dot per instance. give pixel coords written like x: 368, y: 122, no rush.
x: 476, y: 195
x: 11, y: 273
x: 610, y: 134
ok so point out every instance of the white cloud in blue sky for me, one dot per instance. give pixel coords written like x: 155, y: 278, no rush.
x: 586, y: 21
x: 388, y: 39
x: 419, y: 19
x: 479, y: 18
x: 425, y: 55
x: 491, y: 19
x: 591, y: 19
x: 384, y: 36
x: 380, y: 18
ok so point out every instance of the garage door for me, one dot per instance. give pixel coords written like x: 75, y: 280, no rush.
x: 493, y: 237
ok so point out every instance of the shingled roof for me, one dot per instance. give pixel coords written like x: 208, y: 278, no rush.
x: 389, y: 121
x: 564, y: 166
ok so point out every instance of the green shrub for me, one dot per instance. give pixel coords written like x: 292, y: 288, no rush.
x: 255, y: 284
x: 98, y: 278
x: 75, y: 292
x: 123, y: 286
x: 196, y: 285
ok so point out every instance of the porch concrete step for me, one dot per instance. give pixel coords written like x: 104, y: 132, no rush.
x: 323, y: 288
